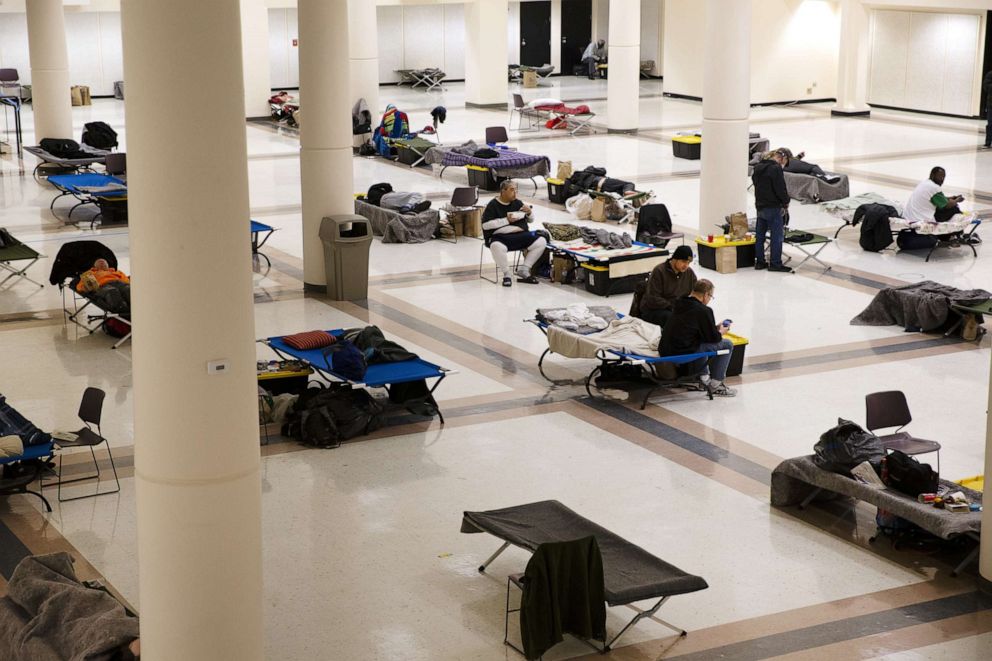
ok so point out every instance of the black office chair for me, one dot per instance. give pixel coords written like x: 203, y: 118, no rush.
x: 654, y: 226
x: 890, y: 409
x: 462, y: 199
x: 90, y: 412
x: 496, y: 135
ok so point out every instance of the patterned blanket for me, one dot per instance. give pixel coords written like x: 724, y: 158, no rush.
x: 513, y: 164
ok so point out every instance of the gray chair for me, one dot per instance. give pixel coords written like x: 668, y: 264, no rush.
x: 10, y: 83
x: 521, y: 109
x: 496, y: 135
x: 462, y: 199
x: 884, y: 410
x: 116, y: 164
x: 91, y: 435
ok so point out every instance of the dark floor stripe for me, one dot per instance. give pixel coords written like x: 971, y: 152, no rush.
x: 682, y: 439
x: 12, y: 550
x: 792, y: 363
x: 862, y: 280
x: 852, y: 628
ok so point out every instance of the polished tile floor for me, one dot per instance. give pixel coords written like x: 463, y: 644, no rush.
x: 363, y: 558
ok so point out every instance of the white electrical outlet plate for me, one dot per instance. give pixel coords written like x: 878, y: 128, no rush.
x: 217, y: 366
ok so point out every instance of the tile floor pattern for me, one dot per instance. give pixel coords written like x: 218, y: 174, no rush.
x: 366, y: 536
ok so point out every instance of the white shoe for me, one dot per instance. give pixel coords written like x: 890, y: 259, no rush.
x: 720, y: 389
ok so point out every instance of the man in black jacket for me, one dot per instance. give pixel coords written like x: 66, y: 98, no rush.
x: 771, y: 198
x: 692, y: 329
x: 987, y: 91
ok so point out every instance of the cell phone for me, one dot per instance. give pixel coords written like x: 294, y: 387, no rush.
x: 727, y: 322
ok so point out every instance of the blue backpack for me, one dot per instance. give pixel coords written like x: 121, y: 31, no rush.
x: 344, y: 358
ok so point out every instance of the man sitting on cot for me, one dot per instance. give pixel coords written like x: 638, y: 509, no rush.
x: 692, y: 329
x: 927, y: 203
x: 505, y: 229
x: 110, y: 287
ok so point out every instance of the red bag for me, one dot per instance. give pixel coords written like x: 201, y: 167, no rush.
x: 116, y: 328
x: 310, y: 340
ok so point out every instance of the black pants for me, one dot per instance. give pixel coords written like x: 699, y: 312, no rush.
x: 590, y: 63
x: 945, y: 214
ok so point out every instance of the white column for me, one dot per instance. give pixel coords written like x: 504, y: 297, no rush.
x: 852, y: 60
x: 51, y: 103
x: 363, y: 39
x: 985, y: 554
x: 622, y: 88
x: 485, y: 54
x: 326, y: 172
x: 255, y: 56
x: 726, y: 107
x: 197, y: 461
x: 556, y: 35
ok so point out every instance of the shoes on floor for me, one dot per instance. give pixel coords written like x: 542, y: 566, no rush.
x: 720, y: 389
x: 781, y: 269
x: 507, y: 281
x: 760, y: 266
x: 530, y: 280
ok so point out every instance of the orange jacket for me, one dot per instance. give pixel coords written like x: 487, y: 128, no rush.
x: 101, y: 278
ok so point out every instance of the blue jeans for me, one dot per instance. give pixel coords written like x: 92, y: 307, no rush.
x: 769, y: 222
x: 717, y: 365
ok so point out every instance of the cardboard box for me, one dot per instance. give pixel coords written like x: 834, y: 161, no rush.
x: 562, y: 268
x: 598, y: 212
x: 726, y: 260
x: 467, y: 223
x: 530, y: 79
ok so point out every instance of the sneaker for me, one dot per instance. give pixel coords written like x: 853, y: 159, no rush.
x: 720, y: 389
x: 507, y: 281
x: 780, y: 269
x: 760, y: 266
x: 421, y: 207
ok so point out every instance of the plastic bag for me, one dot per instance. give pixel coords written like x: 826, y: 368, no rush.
x: 845, y: 446
x: 579, y: 206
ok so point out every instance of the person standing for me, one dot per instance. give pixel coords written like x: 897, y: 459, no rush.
x: 987, y: 91
x: 772, y: 200
x: 594, y: 53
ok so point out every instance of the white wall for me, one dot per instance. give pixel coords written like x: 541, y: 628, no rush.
x: 513, y: 34
x: 793, y: 45
x: 926, y: 61
x: 651, y: 34
x: 284, y: 57
x: 93, y: 40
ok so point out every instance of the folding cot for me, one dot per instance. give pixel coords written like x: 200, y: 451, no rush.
x: 959, y: 230
x: 630, y: 574
x: 509, y: 163
x: 585, y: 346
x: 67, y: 164
x: 575, y: 118
x: 15, y: 251
x: 72, y: 260
x: 260, y: 233
x: 378, y: 375
x: 38, y: 446
x: 430, y: 77
x: 88, y: 188
x: 810, y: 244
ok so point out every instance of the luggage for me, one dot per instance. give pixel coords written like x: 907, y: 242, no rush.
x: 905, y: 474
x: 60, y: 147
x: 910, y: 240
x: 323, y: 417
x: 99, y: 135
x: 845, y: 446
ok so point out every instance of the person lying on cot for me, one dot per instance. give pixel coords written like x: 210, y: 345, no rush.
x: 111, y: 288
x: 796, y: 164
x: 505, y: 229
x: 927, y: 202
x: 404, y: 202
x: 692, y: 329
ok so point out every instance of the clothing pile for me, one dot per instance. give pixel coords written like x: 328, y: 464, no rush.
x: 922, y: 306
x: 594, y: 178
x: 565, y: 232
x: 578, y: 318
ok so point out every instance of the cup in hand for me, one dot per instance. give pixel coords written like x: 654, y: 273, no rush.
x: 514, y: 216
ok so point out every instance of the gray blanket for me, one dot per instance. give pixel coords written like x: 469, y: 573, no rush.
x: 395, y: 227
x: 794, y: 479
x: 922, y: 305
x: 810, y: 190
x: 604, y: 312
x: 48, y: 615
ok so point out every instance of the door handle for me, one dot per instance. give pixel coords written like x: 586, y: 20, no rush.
x: 523, y: 42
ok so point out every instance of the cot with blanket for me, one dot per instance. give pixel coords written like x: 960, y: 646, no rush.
x: 396, y: 227
x: 14, y: 250
x: 637, y: 260
x: 411, y: 150
x: 88, y: 188
x: 612, y: 352
x: 799, y: 481
x: 51, y: 162
x: 378, y: 375
x: 73, y: 259
x: 574, y: 118
x: 630, y: 574
x: 509, y: 163
x: 19, y: 471
x: 810, y: 189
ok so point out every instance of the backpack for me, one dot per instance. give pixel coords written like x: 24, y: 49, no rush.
x: 910, y: 240
x: 60, y: 147
x: 376, y: 191
x: 344, y: 358
x: 323, y: 417
x: 99, y: 135
x: 904, y: 473
x: 845, y: 446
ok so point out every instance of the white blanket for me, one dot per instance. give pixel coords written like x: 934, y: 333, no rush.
x: 630, y: 335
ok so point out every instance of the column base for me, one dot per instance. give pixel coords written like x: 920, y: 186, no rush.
x: 622, y: 131
x: 835, y: 112
x: 486, y: 106
x: 984, y: 585
x: 314, y: 289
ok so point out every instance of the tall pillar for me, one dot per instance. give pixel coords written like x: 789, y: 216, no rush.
x: 556, y: 35
x: 726, y: 107
x: 255, y: 55
x: 852, y: 60
x: 485, y: 54
x: 326, y: 174
x: 985, y: 553
x: 363, y: 39
x: 51, y: 102
x: 195, y: 427
x: 623, y: 88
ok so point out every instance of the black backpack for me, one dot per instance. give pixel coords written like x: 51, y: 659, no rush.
x: 60, y: 147
x: 376, y: 191
x: 904, y: 473
x: 99, y: 135
x: 323, y: 417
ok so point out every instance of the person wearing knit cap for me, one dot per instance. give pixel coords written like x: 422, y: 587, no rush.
x: 669, y: 281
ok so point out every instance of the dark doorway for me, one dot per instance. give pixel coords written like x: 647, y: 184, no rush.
x: 535, y: 33
x: 576, y: 31
x: 986, y: 68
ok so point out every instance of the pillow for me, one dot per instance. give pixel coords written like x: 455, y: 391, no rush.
x: 545, y: 102
x: 310, y: 340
